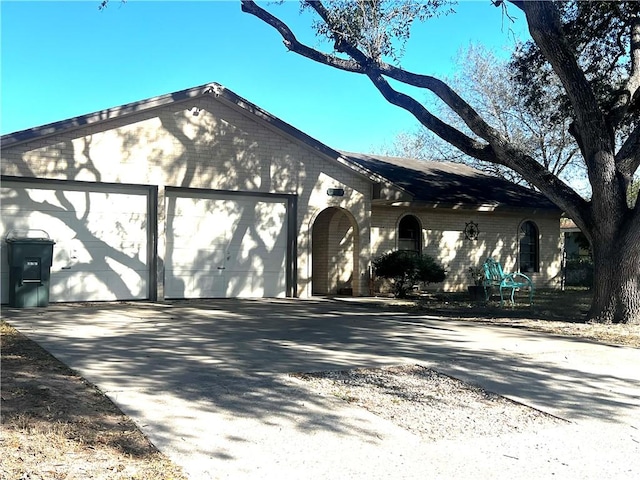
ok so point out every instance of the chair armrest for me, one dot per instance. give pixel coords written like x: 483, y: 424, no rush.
x: 512, y: 278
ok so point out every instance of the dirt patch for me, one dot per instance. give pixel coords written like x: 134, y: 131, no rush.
x: 625, y: 335
x: 55, y: 425
x: 428, y: 403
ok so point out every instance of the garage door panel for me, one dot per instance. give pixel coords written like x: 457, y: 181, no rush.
x: 246, y: 286
x: 271, y: 282
x: 89, y: 287
x: 101, y: 235
x: 58, y: 225
x: 95, y: 255
x: 175, y: 283
x: 270, y: 218
x: 232, y: 245
x: 240, y: 259
x: 182, y: 232
x: 186, y: 283
x: 206, y: 285
x: 252, y: 285
x: 205, y: 259
x: 187, y: 214
x: 276, y: 262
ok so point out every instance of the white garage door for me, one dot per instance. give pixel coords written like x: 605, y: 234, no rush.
x: 101, y: 235
x: 225, y: 245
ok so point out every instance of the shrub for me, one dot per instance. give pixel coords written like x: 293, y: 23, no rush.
x: 477, y: 275
x: 429, y: 271
x: 405, y: 269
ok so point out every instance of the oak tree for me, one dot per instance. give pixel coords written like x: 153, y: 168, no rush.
x: 591, y: 48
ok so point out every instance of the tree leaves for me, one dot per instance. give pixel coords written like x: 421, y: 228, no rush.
x: 600, y: 34
x: 379, y: 28
x: 407, y: 268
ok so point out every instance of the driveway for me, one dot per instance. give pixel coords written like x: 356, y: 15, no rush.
x: 206, y: 381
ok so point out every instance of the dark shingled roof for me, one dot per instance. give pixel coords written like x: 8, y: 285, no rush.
x: 446, y: 183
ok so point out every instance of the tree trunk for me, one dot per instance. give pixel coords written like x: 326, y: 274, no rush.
x: 616, y: 283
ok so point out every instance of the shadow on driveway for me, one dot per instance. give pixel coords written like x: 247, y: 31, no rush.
x: 208, y: 362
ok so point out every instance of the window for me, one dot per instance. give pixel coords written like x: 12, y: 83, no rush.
x: 529, y: 248
x: 409, y: 234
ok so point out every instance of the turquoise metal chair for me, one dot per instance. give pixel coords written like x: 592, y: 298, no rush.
x: 494, y: 276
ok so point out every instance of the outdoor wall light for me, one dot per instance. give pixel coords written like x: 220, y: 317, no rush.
x: 335, y: 192
x: 195, y: 111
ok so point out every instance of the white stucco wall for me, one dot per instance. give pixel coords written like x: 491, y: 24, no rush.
x: 221, y: 148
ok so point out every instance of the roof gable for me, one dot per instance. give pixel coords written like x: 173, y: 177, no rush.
x: 215, y: 90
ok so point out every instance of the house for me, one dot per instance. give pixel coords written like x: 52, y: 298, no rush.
x: 577, y: 261
x: 575, y: 244
x: 202, y: 194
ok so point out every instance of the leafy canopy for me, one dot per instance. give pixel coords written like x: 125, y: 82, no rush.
x: 600, y: 34
x: 378, y: 28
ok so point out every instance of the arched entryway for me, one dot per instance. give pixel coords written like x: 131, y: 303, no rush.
x: 334, y: 253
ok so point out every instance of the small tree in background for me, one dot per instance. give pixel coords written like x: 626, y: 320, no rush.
x: 487, y: 83
x: 405, y: 269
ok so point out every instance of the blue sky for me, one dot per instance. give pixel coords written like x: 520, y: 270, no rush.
x: 64, y: 59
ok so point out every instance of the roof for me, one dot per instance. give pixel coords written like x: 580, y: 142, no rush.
x: 447, y: 183
x: 211, y: 89
x: 434, y: 183
x: 568, y: 225
x: 215, y: 90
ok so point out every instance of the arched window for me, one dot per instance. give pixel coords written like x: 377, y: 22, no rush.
x: 529, y: 247
x: 409, y: 234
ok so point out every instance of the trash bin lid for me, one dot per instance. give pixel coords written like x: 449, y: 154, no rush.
x: 32, y: 235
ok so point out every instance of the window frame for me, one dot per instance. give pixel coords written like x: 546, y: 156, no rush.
x: 401, y: 241
x: 528, y: 247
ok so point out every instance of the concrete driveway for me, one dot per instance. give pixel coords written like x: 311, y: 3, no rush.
x: 206, y: 381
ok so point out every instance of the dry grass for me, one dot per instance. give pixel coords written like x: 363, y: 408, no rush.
x: 555, y: 312
x: 55, y: 425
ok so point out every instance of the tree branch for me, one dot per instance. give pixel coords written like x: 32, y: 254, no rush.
x: 443, y: 130
x: 445, y: 93
x: 631, y: 92
x: 438, y: 87
x: 628, y: 157
x: 291, y: 42
x: 503, y: 154
x: 498, y: 151
x: 546, y: 30
x: 362, y: 64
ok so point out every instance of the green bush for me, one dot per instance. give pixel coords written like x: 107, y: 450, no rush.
x: 405, y: 269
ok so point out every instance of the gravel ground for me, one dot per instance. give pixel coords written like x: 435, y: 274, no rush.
x: 427, y: 403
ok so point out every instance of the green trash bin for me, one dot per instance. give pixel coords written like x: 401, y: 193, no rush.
x: 30, y: 255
